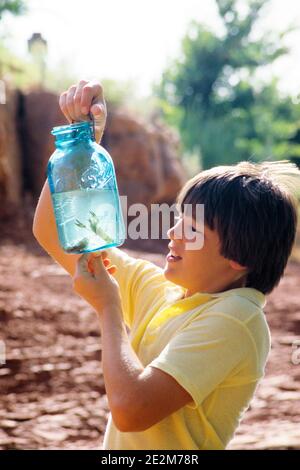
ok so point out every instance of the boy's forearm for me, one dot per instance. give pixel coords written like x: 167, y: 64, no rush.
x: 44, y: 225
x: 45, y: 231
x: 121, y: 366
x: 121, y: 369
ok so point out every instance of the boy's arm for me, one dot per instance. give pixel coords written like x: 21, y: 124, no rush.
x: 132, y: 274
x: 77, y: 104
x: 181, y: 375
x: 45, y: 231
x: 123, y: 370
x: 138, y: 396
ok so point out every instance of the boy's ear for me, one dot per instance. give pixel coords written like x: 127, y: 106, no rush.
x: 235, y: 265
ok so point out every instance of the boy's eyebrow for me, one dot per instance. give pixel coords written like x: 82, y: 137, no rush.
x: 199, y: 230
x: 194, y: 224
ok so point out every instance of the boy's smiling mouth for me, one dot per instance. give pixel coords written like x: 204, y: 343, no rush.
x: 172, y: 256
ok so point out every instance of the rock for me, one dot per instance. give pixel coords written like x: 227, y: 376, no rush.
x: 145, y: 158
x: 8, y: 424
x: 10, y: 151
x: 50, y: 434
x: 145, y: 155
x: 40, y: 114
x: 268, y: 436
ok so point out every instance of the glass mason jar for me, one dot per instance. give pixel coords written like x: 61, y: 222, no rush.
x: 84, y: 191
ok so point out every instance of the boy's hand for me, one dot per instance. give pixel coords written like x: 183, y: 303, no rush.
x: 93, y: 281
x: 82, y: 99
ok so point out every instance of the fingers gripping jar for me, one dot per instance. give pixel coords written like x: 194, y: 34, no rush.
x: 84, y: 191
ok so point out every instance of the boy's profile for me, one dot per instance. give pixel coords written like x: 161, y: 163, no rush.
x: 198, y: 339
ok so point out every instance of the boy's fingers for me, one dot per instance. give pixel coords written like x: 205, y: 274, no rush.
x: 70, y: 102
x: 97, y: 254
x: 112, y: 269
x: 90, y: 92
x: 82, y: 266
x: 91, y: 265
x: 77, y: 100
x: 92, y: 262
x: 99, y: 113
x: 94, y: 256
x: 63, y: 105
x: 99, y: 267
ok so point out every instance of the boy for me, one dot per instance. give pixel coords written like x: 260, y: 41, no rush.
x: 198, y: 342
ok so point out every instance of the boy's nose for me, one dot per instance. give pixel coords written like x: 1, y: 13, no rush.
x: 174, y: 234
x: 169, y: 233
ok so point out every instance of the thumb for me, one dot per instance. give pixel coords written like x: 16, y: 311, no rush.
x: 98, y: 266
x: 82, y: 266
x: 98, y: 110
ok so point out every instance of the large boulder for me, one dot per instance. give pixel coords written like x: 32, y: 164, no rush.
x: 145, y: 155
x: 10, y: 151
x: 145, y: 158
x: 40, y: 114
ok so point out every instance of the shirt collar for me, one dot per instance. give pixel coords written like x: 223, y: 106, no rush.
x: 176, y: 294
x: 254, y: 295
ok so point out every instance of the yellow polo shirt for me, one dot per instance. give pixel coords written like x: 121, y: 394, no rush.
x: 214, y: 345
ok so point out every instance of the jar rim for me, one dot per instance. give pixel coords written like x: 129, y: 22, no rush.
x: 66, y: 128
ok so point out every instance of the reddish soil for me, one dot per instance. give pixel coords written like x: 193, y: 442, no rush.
x: 52, y: 389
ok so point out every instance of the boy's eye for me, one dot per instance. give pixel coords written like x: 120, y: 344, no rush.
x: 178, y: 217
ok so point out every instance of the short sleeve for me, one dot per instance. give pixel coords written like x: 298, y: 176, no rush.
x: 211, y: 350
x: 139, y: 281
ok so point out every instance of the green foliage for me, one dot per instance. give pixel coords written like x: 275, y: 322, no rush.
x: 60, y: 77
x: 16, y: 7
x: 211, y: 95
x: 124, y: 94
x: 13, y: 69
x: 18, y: 72
x: 118, y: 92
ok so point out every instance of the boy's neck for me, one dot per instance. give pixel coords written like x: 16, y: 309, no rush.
x: 234, y: 285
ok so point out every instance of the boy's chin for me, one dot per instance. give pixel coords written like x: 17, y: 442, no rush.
x: 170, y: 275
x: 166, y: 272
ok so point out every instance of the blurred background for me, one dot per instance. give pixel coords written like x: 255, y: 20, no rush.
x: 189, y: 85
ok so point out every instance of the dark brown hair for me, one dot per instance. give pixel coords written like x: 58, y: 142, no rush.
x: 254, y: 211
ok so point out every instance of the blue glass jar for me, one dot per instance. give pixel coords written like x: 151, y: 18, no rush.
x: 84, y: 191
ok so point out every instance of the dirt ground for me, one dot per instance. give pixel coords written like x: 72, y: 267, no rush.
x: 52, y: 389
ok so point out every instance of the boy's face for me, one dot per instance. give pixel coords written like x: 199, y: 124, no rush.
x: 203, y: 269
